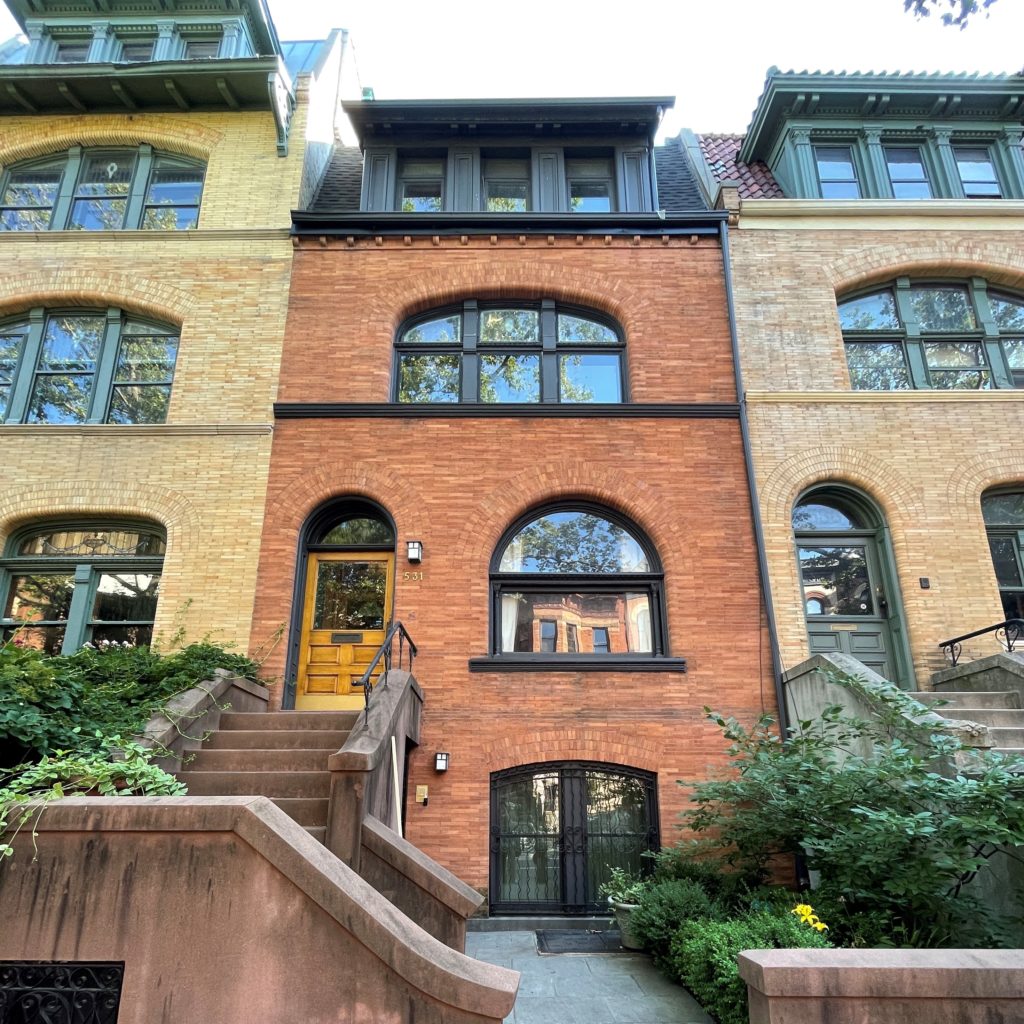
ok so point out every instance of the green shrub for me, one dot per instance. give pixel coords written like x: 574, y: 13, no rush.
x: 703, y: 956
x: 663, y: 909
x: 726, y: 885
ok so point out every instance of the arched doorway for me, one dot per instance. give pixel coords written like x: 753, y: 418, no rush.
x: 557, y: 829
x: 345, y: 584
x: 850, y: 595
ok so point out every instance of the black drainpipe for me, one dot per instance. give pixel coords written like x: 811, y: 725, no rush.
x: 755, y: 508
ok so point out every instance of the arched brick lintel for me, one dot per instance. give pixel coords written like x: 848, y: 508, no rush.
x: 972, y: 477
x: 609, y: 746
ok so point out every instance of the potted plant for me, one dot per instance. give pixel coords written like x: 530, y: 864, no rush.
x: 624, y: 892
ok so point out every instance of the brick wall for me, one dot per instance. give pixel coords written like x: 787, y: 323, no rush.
x: 457, y: 484
x: 924, y: 457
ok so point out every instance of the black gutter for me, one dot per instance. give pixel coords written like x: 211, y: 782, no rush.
x: 484, y: 410
x: 755, y: 508
x: 361, y: 225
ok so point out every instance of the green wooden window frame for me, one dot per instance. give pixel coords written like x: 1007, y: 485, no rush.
x: 899, y: 352
x: 547, y: 354
x: 73, y: 196
x: 84, y: 575
x: 1003, y: 513
x: 85, y: 366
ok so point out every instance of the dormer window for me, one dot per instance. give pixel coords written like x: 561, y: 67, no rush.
x: 591, y: 182
x: 135, y: 51
x: 907, y: 173
x: 201, y: 47
x: 421, y: 185
x: 977, y: 172
x: 72, y: 51
x: 506, y: 184
x: 837, y: 175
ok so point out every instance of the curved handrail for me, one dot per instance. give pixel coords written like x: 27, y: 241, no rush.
x: 1007, y: 633
x: 386, y: 653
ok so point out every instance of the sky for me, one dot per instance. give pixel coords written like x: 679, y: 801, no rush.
x: 712, y: 55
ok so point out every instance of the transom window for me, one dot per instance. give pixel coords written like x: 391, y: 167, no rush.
x: 574, y: 580
x: 950, y: 336
x: 102, y: 190
x: 66, y: 584
x: 1004, y: 522
x: 95, y: 366
x: 503, y: 353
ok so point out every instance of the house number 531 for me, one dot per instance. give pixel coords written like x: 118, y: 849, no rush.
x: 413, y: 575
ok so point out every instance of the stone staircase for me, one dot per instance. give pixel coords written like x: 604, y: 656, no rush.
x: 1000, y: 710
x: 280, y: 754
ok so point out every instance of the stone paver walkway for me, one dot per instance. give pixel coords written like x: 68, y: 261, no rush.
x: 570, y: 988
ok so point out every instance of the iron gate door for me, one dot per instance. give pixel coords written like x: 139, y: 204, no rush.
x: 558, y: 829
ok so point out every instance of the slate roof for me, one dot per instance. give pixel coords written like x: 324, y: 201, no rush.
x: 341, y: 184
x: 755, y: 180
x: 678, y: 191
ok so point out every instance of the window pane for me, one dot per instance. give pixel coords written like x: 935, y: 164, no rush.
x: 818, y: 515
x: 509, y: 326
x: 953, y: 353
x: 106, y: 174
x: 29, y: 197
x: 39, y: 597
x: 98, y: 214
x: 421, y: 197
x: 136, y: 50
x: 573, y: 542
x: 201, y: 48
x: 835, y: 163
x: 1003, y: 509
x: 72, y: 343
x: 359, y: 530
x: 72, y: 52
x: 445, y: 331
x: 350, y: 595
x: 10, y: 353
x: 840, y: 190
x: 572, y: 329
x: 589, y: 378
x: 961, y: 380
x: 1004, y: 561
x: 875, y: 312
x: 604, y: 623
x: 146, y: 359
x: 175, y: 189
x: 432, y: 378
x: 838, y: 578
x: 139, y: 404
x: 133, y: 636
x: 911, y: 190
x: 877, y: 366
x: 126, y: 596
x: 1008, y: 312
x: 590, y: 197
x: 1014, y: 349
x: 25, y: 220
x: 977, y: 173
x: 942, y: 308
x: 509, y: 378
x: 48, y: 639
x: 905, y: 164
x: 170, y: 218
x: 60, y: 399
x: 508, y: 196
x: 98, y: 542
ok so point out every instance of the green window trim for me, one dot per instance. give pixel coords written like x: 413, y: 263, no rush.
x: 933, y: 335
x: 79, y: 366
x: 102, y: 189
x: 509, y: 353
x: 94, y: 590
x: 1003, y: 514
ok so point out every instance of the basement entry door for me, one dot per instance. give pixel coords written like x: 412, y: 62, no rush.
x: 346, y: 611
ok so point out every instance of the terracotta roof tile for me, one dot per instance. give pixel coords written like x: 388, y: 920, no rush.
x: 755, y: 180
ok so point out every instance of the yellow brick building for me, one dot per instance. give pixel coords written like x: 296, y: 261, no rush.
x: 195, y: 467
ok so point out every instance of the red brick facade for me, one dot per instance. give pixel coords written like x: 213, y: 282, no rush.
x: 457, y: 483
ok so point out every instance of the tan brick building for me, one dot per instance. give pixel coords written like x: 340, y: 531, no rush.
x: 876, y: 274
x: 146, y: 262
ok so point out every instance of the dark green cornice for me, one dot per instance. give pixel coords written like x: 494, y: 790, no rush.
x: 921, y: 98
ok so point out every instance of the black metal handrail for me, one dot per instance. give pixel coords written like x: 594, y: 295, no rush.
x: 1008, y: 634
x: 386, y: 652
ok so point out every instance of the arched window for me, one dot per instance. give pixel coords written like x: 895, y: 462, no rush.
x: 946, y: 335
x: 85, y: 366
x: 102, y: 190
x: 509, y: 353
x: 576, y: 581
x: 65, y: 584
x: 1003, y: 512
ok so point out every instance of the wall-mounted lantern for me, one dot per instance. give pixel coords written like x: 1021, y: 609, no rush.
x: 415, y: 551
x: 441, y: 761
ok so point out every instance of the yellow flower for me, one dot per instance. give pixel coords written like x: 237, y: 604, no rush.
x: 820, y: 926
x: 807, y: 916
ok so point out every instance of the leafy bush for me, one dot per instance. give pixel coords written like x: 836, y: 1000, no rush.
x: 895, y: 841
x: 731, y: 888
x: 703, y: 956
x: 664, y: 907
x: 80, y: 701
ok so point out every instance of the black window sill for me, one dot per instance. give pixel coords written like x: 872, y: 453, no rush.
x: 562, y: 663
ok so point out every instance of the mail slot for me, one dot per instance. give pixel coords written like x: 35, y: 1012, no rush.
x: 346, y: 638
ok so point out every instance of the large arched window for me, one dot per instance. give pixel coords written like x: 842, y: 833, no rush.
x: 946, y: 335
x: 65, y: 584
x: 102, y: 190
x: 509, y: 353
x: 85, y: 366
x: 576, y: 582
x: 1003, y: 512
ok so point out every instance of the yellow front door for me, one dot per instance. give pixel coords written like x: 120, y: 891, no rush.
x: 345, y: 616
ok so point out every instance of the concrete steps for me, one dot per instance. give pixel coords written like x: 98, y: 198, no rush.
x: 1000, y: 710
x: 970, y: 698
x: 281, y: 755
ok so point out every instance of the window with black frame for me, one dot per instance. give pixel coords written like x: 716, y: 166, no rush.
x: 942, y: 335
x: 1003, y: 512
x: 509, y: 354
x: 580, y: 581
x: 66, y: 584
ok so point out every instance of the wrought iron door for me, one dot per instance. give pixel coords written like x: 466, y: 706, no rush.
x: 558, y: 829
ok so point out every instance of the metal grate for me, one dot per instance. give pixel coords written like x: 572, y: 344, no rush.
x: 32, y: 992
x: 578, y: 941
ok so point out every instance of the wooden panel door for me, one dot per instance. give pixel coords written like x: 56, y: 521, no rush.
x: 346, y: 613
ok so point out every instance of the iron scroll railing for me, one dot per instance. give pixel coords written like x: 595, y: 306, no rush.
x: 1009, y: 633
x: 386, y: 653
